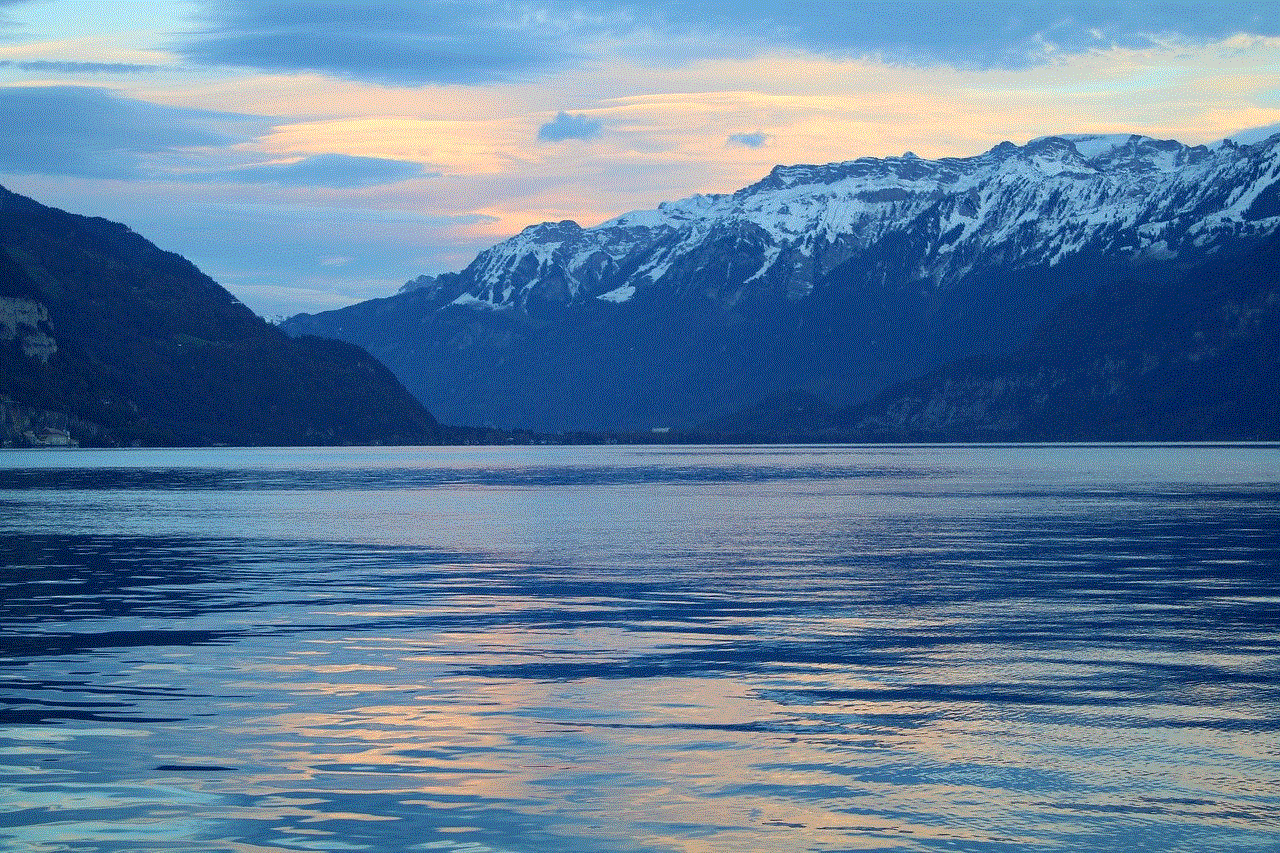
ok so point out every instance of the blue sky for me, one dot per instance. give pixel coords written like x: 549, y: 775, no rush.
x: 308, y: 155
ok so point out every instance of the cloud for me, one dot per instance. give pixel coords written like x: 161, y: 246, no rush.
x: 750, y: 140
x: 566, y: 126
x: 474, y: 42
x: 338, y: 171
x: 77, y: 67
x: 90, y: 132
x: 1255, y: 134
x: 7, y: 26
x: 967, y: 33
x: 282, y: 258
x: 384, y: 41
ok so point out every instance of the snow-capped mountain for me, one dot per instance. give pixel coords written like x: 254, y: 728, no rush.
x: 837, y: 279
x: 1012, y: 206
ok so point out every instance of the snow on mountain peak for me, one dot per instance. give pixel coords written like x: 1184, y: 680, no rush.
x: 1013, y: 206
x: 1093, y: 145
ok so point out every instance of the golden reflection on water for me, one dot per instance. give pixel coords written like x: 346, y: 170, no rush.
x: 792, y: 761
x: 670, y: 752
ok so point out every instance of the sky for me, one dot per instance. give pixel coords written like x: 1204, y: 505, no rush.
x: 309, y: 155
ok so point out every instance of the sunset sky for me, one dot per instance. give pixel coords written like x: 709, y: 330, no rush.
x: 308, y: 155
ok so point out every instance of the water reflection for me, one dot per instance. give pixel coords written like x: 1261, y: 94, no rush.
x: 906, y: 649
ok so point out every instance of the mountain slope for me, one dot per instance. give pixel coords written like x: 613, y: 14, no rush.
x: 834, y: 280
x: 102, y: 332
x: 1191, y: 358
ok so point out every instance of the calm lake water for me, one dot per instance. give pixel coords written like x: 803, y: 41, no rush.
x: 641, y: 649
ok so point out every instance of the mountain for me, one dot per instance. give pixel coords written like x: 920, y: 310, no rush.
x: 108, y: 338
x: 832, y: 281
x: 1193, y: 357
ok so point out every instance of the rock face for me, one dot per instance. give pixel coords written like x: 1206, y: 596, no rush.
x: 835, y: 280
x: 106, y: 339
x: 27, y: 322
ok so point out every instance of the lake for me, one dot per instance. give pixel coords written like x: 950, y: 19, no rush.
x: 600, y: 649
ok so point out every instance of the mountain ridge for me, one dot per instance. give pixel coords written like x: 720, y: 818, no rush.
x: 853, y: 275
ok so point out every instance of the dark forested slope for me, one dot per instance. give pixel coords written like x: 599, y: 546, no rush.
x: 1193, y: 355
x: 120, y: 342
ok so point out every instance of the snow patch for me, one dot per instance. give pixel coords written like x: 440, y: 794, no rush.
x: 619, y: 294
x: 466, y: 300
x: 1094, y: 145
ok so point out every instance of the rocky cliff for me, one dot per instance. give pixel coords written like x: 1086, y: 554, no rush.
x: 27, y: 322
